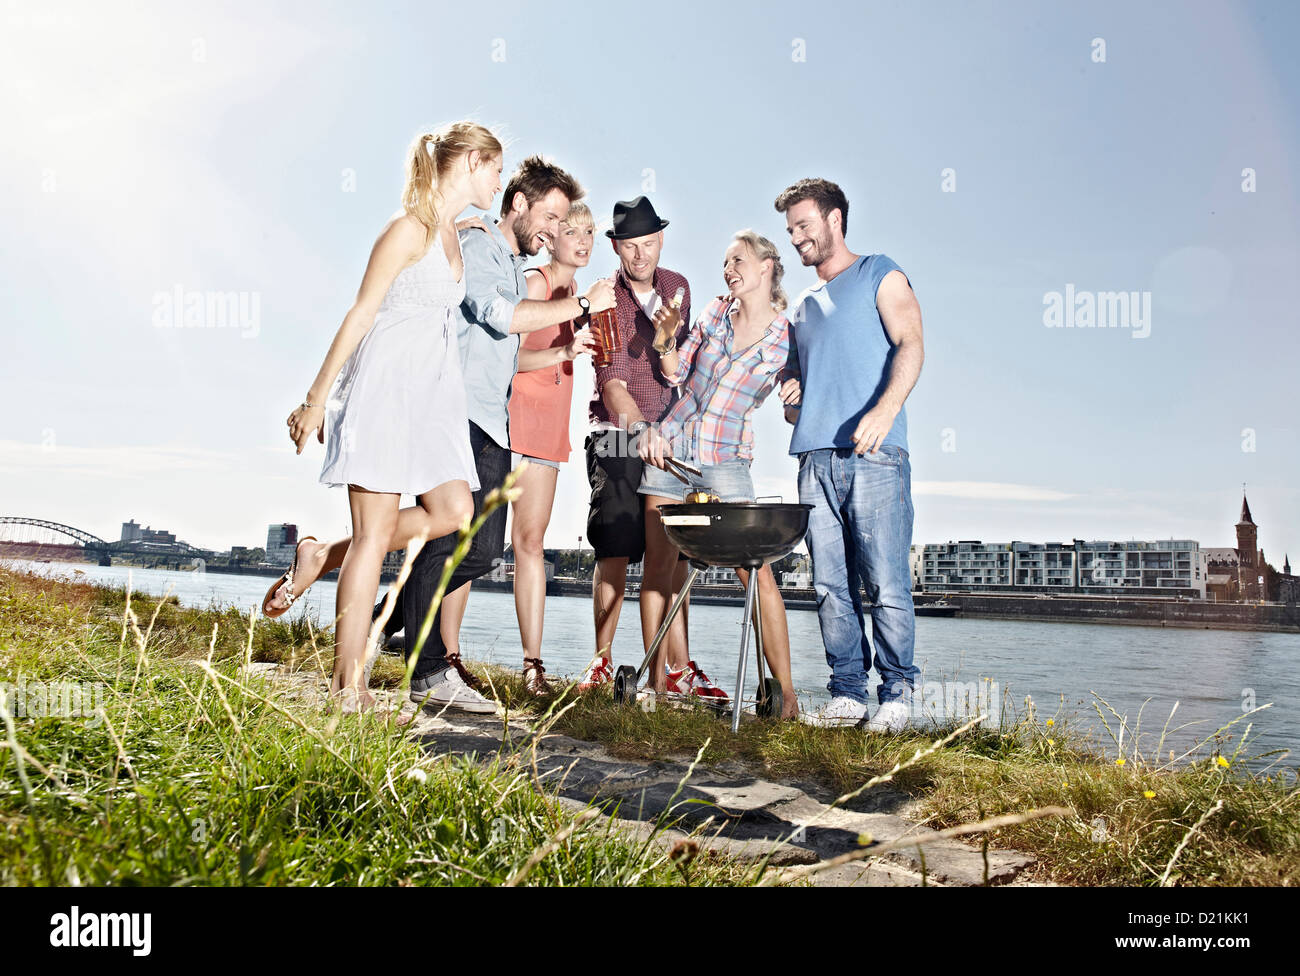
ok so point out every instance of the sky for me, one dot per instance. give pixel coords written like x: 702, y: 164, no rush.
x: 999, y: 152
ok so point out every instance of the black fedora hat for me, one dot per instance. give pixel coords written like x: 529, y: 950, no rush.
x: 635, y: 218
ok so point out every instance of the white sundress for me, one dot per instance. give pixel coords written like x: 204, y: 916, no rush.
x: 396, y: 419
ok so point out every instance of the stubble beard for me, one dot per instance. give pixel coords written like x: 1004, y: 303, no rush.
x: 649, y: 278
x: 526, y: 240
x: 819, y: 252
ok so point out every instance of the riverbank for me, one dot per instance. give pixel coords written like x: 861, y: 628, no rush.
x: 229, y: 746
x: 1194, y: 614
x: 1199, y: 615
x: 1190, y: 614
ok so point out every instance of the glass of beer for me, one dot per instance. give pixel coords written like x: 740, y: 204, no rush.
x: 604, y: 327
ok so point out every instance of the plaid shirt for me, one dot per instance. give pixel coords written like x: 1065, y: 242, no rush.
x: 635, y: 362
x: 725, y: 386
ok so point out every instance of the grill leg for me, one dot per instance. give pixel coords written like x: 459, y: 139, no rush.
x: 744, y: 652
x: 678, y: 600
x: 758, y: 635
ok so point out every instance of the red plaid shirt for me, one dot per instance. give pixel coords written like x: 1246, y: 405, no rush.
x: 635, y: 362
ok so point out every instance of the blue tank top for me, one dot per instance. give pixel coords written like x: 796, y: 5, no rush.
x: 843, y: 355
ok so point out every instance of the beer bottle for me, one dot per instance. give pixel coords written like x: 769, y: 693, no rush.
x: 666, y: 333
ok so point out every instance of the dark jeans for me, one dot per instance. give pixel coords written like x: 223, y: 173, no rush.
x: 493, y: 464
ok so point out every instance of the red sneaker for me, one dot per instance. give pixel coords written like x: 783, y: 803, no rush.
x: 690, y: 680
x: 601, y: 672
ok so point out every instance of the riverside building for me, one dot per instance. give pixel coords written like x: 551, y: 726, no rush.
x: 1172, y: 567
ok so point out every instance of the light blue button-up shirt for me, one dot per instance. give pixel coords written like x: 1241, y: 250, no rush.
x: 489, y: 351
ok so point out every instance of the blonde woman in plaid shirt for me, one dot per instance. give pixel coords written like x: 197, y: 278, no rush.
x: 725, y: 368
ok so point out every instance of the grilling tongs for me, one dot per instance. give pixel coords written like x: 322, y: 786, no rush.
x: 674, y: 464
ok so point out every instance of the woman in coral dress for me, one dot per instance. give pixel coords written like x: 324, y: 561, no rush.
x: 540, y: 398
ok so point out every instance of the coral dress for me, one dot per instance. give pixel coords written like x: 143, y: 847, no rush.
x: 396, y: 419
x: 540, y: 398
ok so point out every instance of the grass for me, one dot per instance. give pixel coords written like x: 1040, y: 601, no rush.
x: 196, y: 771
x: 199, y: 775
x: 1139, y: 816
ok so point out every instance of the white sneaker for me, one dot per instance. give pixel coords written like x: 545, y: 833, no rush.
x: 890, y: 717
x: 840, y: 710
x: 447, y: 689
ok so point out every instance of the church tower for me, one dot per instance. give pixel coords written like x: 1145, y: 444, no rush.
x: 1247, y: 537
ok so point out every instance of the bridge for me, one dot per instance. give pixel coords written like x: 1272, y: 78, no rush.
x: 17, y: 533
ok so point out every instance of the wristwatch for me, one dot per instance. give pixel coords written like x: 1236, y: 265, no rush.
x: 584, y: 304
x: 638, y: 427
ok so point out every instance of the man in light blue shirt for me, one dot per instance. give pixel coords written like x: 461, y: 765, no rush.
x: 856, y: 353
x: 489, y: 349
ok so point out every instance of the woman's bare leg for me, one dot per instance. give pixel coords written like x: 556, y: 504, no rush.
x: 531, y: 514
x: 678, y: 639
x: 436, y: 513
x: 374, y: 519
x: 373, y: 516
x: 776, y: 637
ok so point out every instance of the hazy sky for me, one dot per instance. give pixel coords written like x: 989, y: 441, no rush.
x: 150, y: 150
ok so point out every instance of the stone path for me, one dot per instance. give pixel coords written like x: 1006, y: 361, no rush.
x: 727, y: 808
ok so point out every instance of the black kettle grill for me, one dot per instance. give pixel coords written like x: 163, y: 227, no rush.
x: 742, y: 535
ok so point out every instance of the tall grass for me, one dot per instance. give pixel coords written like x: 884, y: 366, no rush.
x: 194, y: 769
x: 200, y: 771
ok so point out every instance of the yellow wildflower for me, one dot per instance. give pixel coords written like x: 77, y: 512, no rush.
x: 1119, y: 761
x: 1149, y: 794
x: 1222, y: 762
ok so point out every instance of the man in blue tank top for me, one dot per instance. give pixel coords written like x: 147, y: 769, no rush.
x: 856, y: 352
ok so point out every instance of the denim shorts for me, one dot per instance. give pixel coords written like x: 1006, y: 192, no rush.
x: 545, y: 462
x: 729, y: 480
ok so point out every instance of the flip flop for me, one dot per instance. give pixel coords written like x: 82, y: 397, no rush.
x: 285, y: 578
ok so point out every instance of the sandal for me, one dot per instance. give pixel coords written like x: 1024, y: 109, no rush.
x: 286, y: 579
x: 535, y: 677
x: 473, y: 682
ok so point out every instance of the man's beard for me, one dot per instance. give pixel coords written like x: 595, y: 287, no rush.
x: 818, y: 253
x: 524, y: 237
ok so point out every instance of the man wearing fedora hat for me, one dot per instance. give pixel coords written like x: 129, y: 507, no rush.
x: 630, y: 396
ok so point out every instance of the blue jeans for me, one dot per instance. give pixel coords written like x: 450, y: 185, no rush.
x: 860, y: 534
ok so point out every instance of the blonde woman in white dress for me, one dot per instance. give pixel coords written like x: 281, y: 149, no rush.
x: 391, y: 396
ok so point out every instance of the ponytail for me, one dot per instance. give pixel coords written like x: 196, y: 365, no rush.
x: 431, y: 158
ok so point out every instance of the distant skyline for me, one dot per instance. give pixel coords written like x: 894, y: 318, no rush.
x: 159, y: 156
